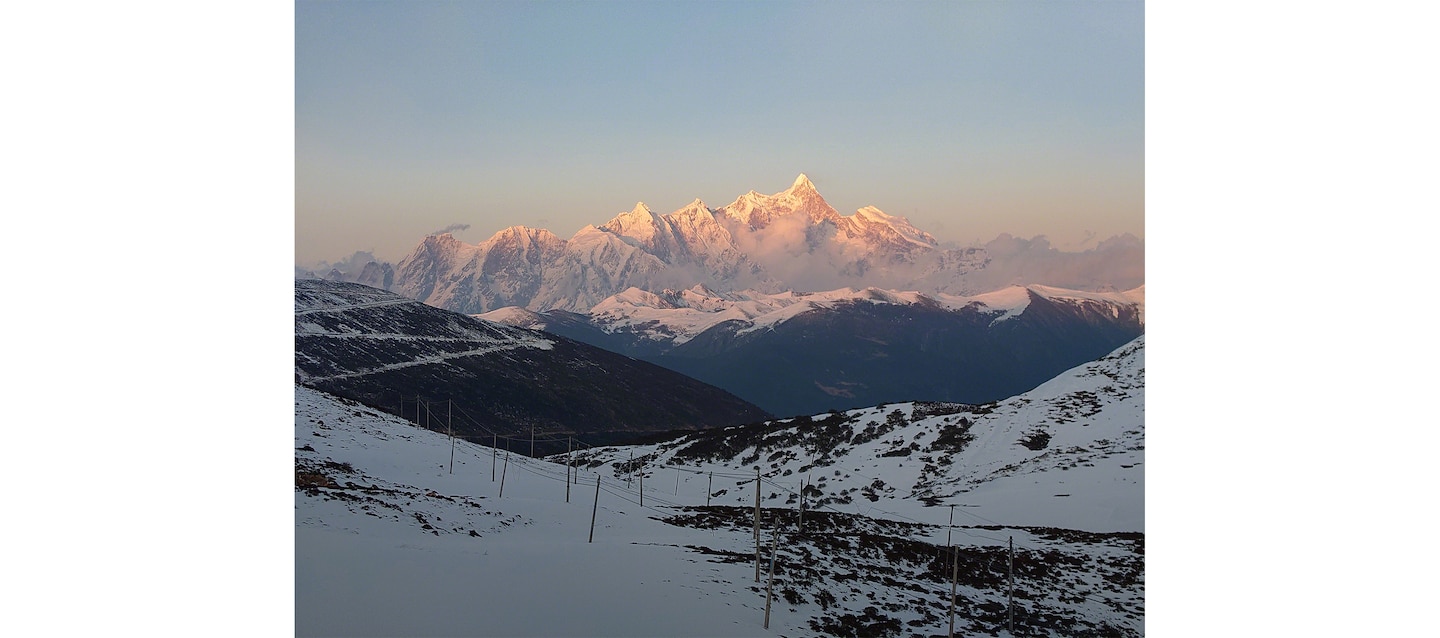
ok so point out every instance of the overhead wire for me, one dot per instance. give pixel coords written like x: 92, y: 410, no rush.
x: 625, y: 494
x: 746, y: 478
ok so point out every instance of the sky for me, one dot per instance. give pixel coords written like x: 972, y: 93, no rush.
x: 969, y: 118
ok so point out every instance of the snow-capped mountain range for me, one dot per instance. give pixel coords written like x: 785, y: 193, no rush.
x: 393, y: 538
x: 796, y: 353
x: 673, y: 317
x: 791, y: 240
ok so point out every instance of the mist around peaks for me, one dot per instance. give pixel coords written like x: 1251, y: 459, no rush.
x: 789, y: 240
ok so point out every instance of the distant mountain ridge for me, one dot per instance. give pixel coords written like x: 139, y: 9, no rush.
x: 793, y: 353
x: 791, y: 240
x: 673, y: 317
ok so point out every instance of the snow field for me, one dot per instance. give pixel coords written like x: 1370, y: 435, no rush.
x: 390, y: 542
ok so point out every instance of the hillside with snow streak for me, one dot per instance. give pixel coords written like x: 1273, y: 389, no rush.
x: 386, y: 350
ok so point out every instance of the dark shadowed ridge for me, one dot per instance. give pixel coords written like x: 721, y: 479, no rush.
x: 385, y: 350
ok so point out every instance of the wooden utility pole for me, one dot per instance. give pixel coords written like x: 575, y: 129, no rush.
x: 630, y: 476
x: 642, y: 487
x: 594, y: 509
x: 502, y: 473
x: 450, y: 427
x: 532, y: 440
x: 949, y: 529
x: 800, y: 522
x: 770, y: 580
x: 1011, y: 613
x: 494, y: 454
x: 709, y: 487
x: 567, y: 469
x: 757, y: 524
x: 757, y: 508
x: 954, y: 578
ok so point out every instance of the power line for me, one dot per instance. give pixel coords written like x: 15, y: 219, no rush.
x: 767, y: 480
x: 543, y: 469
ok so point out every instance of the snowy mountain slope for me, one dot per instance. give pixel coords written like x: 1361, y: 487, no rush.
x: 791, y: 240
x: 1068, y: 454
x: 758, y: 211
x: 386, y: 350
x: 333, y: 320
x: 394, y: 539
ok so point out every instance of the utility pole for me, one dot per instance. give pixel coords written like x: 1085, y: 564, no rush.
x: 494, y: 454
x: 594, y: 509
x: 450, y: 426
x: 1012, y: 586
x: 949, y: 529
x: 709, y: 485
x: 502, y: 473
x: 757, y: 524
x: 757, y: 508
x: 642, y: 487
x: 770, y: 580
x: 532, y: 440
x: 954, y: 578
x: 567, y: 469
x: 800, y: 523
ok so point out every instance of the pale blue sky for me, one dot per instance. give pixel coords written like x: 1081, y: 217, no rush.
x: 970, y: 118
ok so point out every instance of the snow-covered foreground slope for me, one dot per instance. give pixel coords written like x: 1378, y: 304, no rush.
x: 1069, y: 454
x: 390, y: 542
x: 414, y: 550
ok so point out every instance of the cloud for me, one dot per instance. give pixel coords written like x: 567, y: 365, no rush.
x: 1117, y: 263
x: 1084, y: 241
x: 353, y: 262
x: 452, y: 228
x: 348, y: 267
